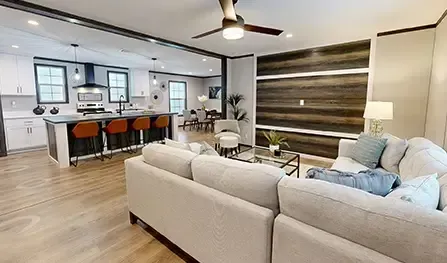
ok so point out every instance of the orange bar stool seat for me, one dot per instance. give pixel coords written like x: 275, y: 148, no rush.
x: 162, y: 123
x: 118, y: 128
x: 141, y: 124
x: 88, y: 131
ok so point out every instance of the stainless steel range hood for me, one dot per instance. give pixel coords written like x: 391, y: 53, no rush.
x: 90, y: 78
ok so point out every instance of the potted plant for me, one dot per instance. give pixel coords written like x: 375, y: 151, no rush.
x: 238, y: 113
x: 202, y: 100
x: 275, y: 140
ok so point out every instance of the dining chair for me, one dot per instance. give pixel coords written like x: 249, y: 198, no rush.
x: 202, y: 120
x: 188, y: 117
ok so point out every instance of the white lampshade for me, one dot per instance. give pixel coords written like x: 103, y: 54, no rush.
x: 378, y: 110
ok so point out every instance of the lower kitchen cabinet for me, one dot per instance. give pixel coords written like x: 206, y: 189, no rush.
x: 25, y: 134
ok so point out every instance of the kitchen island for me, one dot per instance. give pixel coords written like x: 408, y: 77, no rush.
x: 60, y: 138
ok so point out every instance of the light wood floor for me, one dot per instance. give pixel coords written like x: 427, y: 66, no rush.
x: 74, y: 214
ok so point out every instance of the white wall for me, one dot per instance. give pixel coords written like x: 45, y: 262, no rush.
x: 194, y: 88
x: 243, y: 81
x: 402, y: 75
x: 437, y: 102
x: 212, y: 82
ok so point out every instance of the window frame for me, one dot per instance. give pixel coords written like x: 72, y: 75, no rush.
x: 125, y: 89
x: 36, y: 79
x: 186, y: 94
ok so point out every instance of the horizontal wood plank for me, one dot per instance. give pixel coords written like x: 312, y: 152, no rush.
x: 351, y: 55
x: 324, y: 146
x: 331, y: 103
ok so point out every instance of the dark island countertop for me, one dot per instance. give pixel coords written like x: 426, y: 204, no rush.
x: 103, y: 117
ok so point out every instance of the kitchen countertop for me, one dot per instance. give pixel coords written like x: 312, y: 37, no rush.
x: 102, y: 117
x: 11, y: 115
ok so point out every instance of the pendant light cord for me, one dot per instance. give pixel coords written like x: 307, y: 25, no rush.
x: 76, y: 57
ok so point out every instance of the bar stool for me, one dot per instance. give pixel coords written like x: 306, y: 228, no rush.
x: 141, y: 124
x: 162, y: 122
x: 89, y: 132
x: 117, y: 127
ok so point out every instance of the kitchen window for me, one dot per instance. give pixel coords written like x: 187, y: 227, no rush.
x: 177, y: 96
x: 118, y: 83
x: 51, y: 84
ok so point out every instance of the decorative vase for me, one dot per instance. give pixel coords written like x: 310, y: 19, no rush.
x: 273, y: 148
x: 277, y: 153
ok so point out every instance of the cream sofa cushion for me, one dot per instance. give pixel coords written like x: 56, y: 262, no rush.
x: 347, y: 164
x: 174, y: 160
x: 400, y: 230
x: 178, y: 145
x: 255, y: 183
x: 424, y: 157
x: 394, y: 152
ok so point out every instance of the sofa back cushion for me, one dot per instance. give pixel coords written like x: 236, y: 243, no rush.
x: 394, y: 152
x: 398, y: 229
x: 174, y: 160
x: 423, y: 157
x: 255, y: 183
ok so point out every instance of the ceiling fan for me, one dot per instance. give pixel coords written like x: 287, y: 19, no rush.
x: 233, y: 25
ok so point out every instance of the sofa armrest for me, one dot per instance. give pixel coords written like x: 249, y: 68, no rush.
x: 345, y: 147
x: 393, y: 227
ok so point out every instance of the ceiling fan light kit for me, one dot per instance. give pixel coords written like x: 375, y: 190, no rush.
x: 233, y: 25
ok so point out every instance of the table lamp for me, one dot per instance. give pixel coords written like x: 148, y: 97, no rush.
x: 376, y: 111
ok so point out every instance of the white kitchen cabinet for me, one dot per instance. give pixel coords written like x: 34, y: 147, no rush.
x: 140, y: 83
x: 38, y: 136
x: 27, y: 81
x: 17, y: 138
x: 24, y: 134
x: 17, y: 75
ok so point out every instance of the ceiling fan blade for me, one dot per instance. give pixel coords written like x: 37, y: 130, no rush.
x: 208, y: 33
x: 228, y: 9
x: 263, y: 30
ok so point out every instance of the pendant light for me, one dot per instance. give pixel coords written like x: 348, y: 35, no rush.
x: 154, y: 81
x: 76, y: 76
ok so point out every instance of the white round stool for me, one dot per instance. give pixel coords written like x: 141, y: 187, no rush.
x: 228, y: 143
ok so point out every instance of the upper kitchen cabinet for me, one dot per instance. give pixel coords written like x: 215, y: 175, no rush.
x: 139, y: 83
x: 17, y: 75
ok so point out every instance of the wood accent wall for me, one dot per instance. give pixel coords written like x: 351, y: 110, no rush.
x: 318, y: 145
x: 336, y: 57
x: 333, y: 101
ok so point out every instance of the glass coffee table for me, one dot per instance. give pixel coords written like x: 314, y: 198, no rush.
x: 289, y: 161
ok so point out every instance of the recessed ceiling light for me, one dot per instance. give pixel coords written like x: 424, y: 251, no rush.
x: 72, y: 20
x: 189, y: 72
x: 204, y: 59
x: 15, y: 46
x: 32, y: 22
x: 153, y: 40
x: 289, y: 35
x: 211, y: 69
x: 162, y: 66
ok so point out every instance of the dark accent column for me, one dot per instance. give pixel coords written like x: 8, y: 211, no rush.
x: 224, y: 83
x: 3, y: 151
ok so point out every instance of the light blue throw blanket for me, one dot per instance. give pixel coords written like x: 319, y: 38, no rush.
x: 373, y: 181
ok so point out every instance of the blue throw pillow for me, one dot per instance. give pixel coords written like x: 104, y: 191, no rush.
x: 368, y: 150
x: 423, y: 191
x: 372, y: 181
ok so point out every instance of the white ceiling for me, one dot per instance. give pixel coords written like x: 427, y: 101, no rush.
x: 52, y: 39
x: 312, y: 22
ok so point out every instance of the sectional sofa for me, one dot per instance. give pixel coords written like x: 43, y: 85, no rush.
x: 221, y: 210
